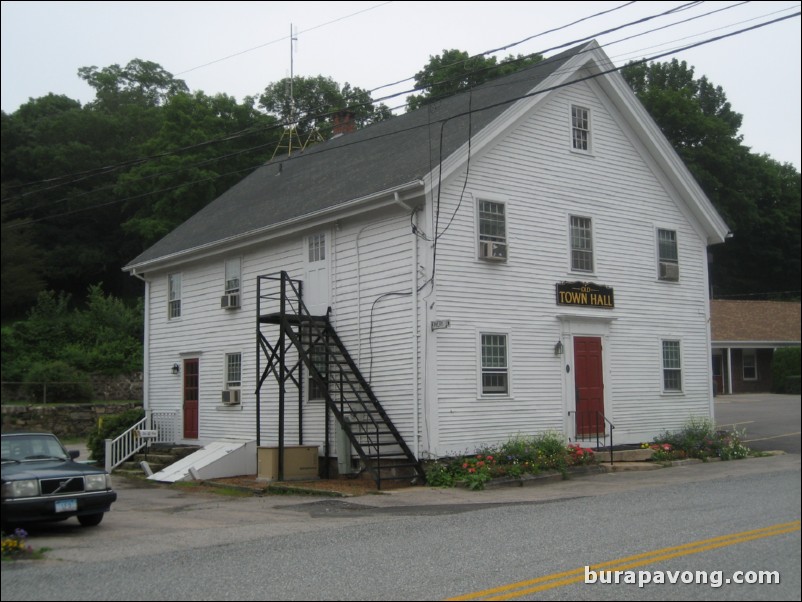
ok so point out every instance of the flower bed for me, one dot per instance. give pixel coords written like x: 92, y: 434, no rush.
x: 698, y: 439
x: 519, y: 457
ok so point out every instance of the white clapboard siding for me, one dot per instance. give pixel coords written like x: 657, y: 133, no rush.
x: 543, y: 183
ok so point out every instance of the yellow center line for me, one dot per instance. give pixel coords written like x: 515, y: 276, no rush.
x: 521, y: 588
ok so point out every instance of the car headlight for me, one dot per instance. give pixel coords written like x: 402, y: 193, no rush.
x: 25, y: 488
x: 97, y: 482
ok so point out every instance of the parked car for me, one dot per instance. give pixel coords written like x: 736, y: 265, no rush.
x: 42, y: 482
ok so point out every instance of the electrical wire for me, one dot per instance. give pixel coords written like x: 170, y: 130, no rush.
x: 288, y: 123
x: 653, y: 57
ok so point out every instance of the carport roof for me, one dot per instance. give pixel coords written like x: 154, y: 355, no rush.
x: 755, y: 321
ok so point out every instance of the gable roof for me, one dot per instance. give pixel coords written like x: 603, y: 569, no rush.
x: 755, y: 322
x: 394, y: 156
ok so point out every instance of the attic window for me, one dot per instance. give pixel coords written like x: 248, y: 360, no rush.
x: 580, y: 128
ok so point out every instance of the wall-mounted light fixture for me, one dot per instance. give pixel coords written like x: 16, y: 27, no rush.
x: 176, y: 369
x: 558, y: 349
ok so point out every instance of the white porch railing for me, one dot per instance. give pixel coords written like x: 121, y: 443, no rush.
x: 155, y: 427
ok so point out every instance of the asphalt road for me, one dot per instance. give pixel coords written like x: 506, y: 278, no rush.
x: 424, y: 543
x: 771, y: 422
x: 716, y: 518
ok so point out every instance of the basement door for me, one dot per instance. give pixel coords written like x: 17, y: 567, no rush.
x: 589, y: 382
x: 191, y: 390
x: 316, y: 274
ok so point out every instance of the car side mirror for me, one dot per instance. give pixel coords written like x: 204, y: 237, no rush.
x: 74, y: 453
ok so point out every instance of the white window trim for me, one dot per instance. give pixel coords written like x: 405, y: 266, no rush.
x: 681, y: 390
x: 580, y: 151
x: 480, y: 394
x: 170, y: 301
x: 657, y: 259
x: 753, y: 354
x: 477, y: 226
x: 571, y: 267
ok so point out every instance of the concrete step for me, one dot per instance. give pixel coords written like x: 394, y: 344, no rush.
x: 625, y: 455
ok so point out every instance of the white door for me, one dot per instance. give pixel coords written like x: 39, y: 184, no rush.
x: 316, y: 274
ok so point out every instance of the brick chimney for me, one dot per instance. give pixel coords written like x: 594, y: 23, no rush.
x: 344, y: 123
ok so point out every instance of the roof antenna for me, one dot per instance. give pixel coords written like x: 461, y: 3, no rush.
x: 289, y: 138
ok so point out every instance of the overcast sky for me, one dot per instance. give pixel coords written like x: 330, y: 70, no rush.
x: 238, y: 48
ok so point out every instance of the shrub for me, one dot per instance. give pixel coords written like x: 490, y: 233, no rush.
x: 785, y: 370
x: 699, y: 439
x: 64, y: 383
x: 111, y: 428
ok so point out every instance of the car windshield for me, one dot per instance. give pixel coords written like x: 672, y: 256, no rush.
x: 23, y: 448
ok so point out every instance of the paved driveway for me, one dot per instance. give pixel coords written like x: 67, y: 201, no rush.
x: 772, y: 422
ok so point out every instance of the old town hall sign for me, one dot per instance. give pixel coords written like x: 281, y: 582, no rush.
x: 585, y: 294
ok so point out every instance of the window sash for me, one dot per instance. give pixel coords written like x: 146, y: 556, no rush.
x: 174, y: 296
x: 667, y: 244
x: 233, y: 271
x: 492, y: 222
x: 672, y: 366
x: 581, y: 244
x: 495, y: 372
x: 233, y: 370
x: 317, y: 247
x: 749, y: 366
x: 318, y: 354
x: 580, y: 128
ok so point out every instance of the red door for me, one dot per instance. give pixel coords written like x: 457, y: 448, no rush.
x: 589, y: 385
x: 191, y: 399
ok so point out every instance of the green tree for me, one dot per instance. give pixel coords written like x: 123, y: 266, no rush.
x: 143, y: 83
x: 313, y: 102
x: 758, y: 197
x: 204, y: 146
x: 455, y: 70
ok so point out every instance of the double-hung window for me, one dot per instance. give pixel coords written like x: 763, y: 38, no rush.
x: 233, y: 370
x: 581, y: 244
x: 495, y: 369
x: 580, y: 128
x: 233, y: 270
x: 492, y: 231
x: 174, y: 299
x: 672, y: 367
x: 749, y: 365
x: 668, y: 268
x: 317, y: 389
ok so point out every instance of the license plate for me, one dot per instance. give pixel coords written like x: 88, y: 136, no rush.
x: 66, y: 505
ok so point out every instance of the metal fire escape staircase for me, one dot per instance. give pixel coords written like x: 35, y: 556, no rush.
x: 349, y: 397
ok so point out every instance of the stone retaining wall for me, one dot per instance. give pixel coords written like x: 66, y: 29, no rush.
x: 64, y: 420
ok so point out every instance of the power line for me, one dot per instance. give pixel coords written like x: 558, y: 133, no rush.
x: 117, y: 201
x: 283, y: 39
x: 289, y: 123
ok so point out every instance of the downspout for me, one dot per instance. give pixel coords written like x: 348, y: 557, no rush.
x: 359, y: 299
x: 415, y: 366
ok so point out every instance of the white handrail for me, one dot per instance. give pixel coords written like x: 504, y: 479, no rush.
x: 130, y: 442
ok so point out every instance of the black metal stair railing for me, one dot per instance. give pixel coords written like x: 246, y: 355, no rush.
x: 592, y: 424
x: 348, y: 395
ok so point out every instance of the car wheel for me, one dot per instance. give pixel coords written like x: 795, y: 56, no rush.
x: 90, y: 520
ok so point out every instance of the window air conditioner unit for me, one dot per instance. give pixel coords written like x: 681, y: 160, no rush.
x: 669, y: 271
x: 496, y: 251
x: 230, y: 397
x: 230, y: 301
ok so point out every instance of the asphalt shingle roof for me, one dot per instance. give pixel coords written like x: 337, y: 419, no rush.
x: 379, y: 157
x: 754, y: 321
